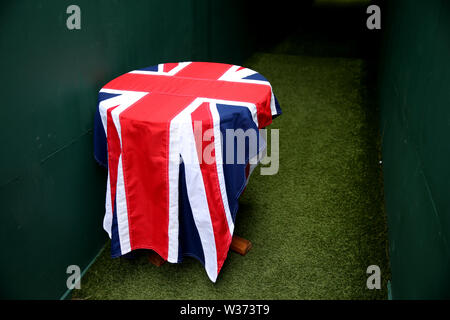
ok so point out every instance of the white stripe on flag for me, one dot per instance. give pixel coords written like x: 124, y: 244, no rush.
x: 107, y: 220
x: 160, y: 71
x: 238, y: 76
x: 128, y: 98
x: 180, y: 66
x: 273, y: 108
x: 197, y: 198
x: 174, y: 173
x: 175, y: 142
x: 233, y: 74
x: 219, y: 164
x: 103, y: 110
x: 122, y: 211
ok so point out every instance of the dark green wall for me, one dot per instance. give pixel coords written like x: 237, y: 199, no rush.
x: 51, y: 190
x: 415, y: 122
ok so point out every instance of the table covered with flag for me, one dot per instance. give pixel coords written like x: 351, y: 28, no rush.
x: 161, y: 193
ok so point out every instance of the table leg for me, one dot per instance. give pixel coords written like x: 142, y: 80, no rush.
x: 240, y: 245
x: 155, y: 259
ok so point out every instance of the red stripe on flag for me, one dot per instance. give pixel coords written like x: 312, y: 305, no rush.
x: 169, y: 66
x: 203, y: 70
x: 145, y: 160
x: 259, y: 94
x: 222, y: 234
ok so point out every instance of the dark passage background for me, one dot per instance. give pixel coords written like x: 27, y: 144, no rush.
x: 348, y: 94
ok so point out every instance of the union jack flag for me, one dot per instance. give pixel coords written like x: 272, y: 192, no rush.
x: 155, y: 198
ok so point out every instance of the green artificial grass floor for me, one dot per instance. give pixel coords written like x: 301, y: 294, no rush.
x: 315, y: 226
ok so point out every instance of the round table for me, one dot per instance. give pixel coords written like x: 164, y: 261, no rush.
x: 162, y: 133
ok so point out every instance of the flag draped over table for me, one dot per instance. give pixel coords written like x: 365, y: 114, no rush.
x: 160, y: 194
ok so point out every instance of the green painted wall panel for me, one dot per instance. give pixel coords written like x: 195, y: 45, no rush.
x: 51, y: 190
x: 415, y: 113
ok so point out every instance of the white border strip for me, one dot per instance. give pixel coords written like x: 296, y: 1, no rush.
x: 160, y: 71
x: 125, y: 100
x: 197, y: 198
x: 175, y: 147
x: 219, y: 161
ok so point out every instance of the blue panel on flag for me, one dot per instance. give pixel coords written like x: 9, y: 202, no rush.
x: 255, y: 76
x: 152, y: 68
x: 189, y: 239
x: 235, y: 117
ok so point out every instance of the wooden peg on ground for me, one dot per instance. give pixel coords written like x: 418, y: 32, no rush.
x: 240, y: 245
x: 155, y: 259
